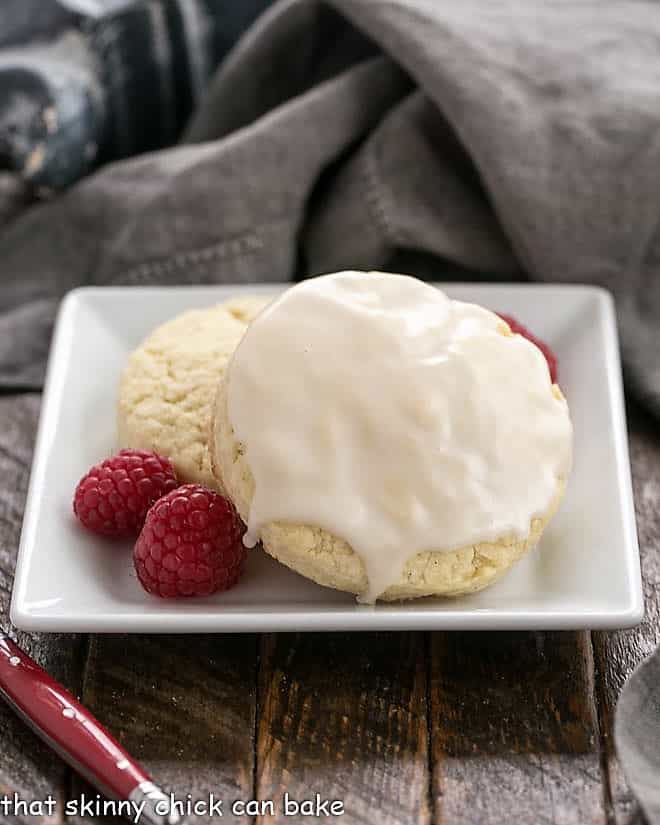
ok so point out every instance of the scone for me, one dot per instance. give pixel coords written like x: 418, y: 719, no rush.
x: 381, y: 439
x: 169, y: 383
x: 330, y: 561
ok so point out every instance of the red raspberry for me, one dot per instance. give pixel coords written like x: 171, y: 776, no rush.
x: 190, y: 545
x: 115, y: 495
x: 550, y: 357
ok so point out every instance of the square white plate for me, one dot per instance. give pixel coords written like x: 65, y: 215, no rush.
x: 585, y: 573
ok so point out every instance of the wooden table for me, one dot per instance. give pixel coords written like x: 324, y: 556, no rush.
x: 401, y: 727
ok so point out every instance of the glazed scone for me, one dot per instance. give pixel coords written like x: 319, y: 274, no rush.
x: 167, y: 388
x: 380, y: 438
x: 330, y: 561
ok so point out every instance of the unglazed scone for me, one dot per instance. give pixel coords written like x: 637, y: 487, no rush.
x: 167, y: 388
x: 382, y: 439
x: 330, y: 561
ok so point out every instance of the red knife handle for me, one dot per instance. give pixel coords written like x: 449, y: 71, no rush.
x: 71, y: 730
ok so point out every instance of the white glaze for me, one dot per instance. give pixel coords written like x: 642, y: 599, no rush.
x: 373, y: 406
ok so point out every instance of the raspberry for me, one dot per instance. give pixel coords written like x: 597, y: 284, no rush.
x: 519, y: 329
x: 115, y: 495
x: 190, y: 545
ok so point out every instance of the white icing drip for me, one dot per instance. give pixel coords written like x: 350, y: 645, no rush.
x: 374, y: 407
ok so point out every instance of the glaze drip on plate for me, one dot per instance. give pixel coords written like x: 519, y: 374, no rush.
x: 373, y: 406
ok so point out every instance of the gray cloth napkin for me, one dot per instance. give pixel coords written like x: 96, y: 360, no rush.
x: 506, y: 138
x: 515, y: 138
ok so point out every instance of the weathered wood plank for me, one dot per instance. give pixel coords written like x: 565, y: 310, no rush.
x: 617, y: 654
x: 345, y: 716
x: 513, y: 729
x: 184, y: 706
x: 513, y: 732
x: 27, y: 767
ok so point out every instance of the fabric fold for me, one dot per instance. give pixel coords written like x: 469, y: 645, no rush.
x: 514, y: 139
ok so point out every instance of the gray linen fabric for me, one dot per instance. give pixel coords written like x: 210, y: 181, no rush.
x: 507, y: 138
x: 517, y: 138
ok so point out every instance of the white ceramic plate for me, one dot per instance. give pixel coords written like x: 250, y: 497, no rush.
x: 585, y: 573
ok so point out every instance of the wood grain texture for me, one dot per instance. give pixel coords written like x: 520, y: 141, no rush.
x: 476, y: 728
x: 617, y: 654
x: 184, y: 706
x: 344, y: 715
x: 513, y: 729
x: 27, y: 767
